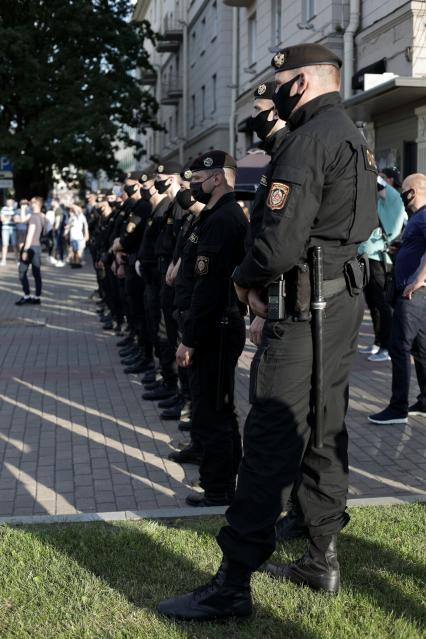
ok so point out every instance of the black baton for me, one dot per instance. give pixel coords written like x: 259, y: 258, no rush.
x: 220, y: 391
x: 318, y: 307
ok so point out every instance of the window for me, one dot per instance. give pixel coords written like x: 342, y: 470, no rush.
x: 214, y: 87
x: 252, y: 39
x: 308, y: 10
x: 276, y: 14
x: 214, y: 20
x: 192, y: 110
x: 203, y: 103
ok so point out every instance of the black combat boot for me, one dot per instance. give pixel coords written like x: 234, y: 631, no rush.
x: 318, y: 568
x: 126, y: 341
x: 171, y: 402
x: 210, y: 498
x: 227, y: 595
x: 185, y: 426
x: 126, y: 351
x: 132, y: 358
x: 291, y: 527
x: 163, y: 391
x: 150, y: 376
x: 189, y: 455
x: 173, y: 412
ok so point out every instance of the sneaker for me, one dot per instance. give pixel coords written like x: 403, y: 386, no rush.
x: 52, y: 260
x: 388, y: 416
x: 59, y: 264
x: 371, y: 350
x: 417, y: 410
x: 23, y: 300
x: 381, y: 356
x: 3, y: 263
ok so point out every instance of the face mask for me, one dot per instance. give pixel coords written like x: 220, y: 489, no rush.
x: 130, y: 189
x: 261, y: 125
x: 145, y: 194
x: 284, y: 102
x: 161, y: 186
x: 407, y: 197
x: 198, y: 192
x: 184, y: 199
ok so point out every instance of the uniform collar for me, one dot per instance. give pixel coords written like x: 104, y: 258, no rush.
x: 311, y: 108
x: 225, y: 199
x: 271, y: 144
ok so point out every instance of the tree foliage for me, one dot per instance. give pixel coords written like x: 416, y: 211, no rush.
x: 69, y: 87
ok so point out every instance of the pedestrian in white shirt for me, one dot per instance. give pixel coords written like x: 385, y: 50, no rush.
x: 78, y: 233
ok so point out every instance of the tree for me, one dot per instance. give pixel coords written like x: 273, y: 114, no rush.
x: 69, y: 91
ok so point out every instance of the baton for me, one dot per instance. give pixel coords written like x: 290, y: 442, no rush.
x: 318, y: 308
x: 221, y: 381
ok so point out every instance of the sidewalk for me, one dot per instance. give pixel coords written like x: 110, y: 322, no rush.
x: 75, y: 435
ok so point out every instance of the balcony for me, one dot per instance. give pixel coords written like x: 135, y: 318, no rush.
x: 171, y: 37
x: 238, y: 3
x: 171, y: 91
x: 149, y: 78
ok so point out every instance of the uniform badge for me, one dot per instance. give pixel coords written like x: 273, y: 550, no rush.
x: 208, y: 162
x: 202, y: 265
x: 130, y: 227
x: 193, y: 238
x: 369, y: 159
x: 144, y: 177
x: 160, y: 169
x: 264, y: 180
x: 261, y: 89
x: 187, y: 175
x: 278, y: 195
x: 279, y: 59
x: 169, y: 220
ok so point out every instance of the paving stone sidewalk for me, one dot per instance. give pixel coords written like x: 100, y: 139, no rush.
x: 76, y: 437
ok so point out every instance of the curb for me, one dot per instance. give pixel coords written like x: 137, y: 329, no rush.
x: 179, y: 513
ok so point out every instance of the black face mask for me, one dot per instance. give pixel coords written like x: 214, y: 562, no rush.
x: 184, y: 199
x: 407, y: 197
x: 261, y: 125
x: 284, y: 102
x: 161, y: 186
x: 130, y: 189
x: 145, y: 194
x: 198, y: 193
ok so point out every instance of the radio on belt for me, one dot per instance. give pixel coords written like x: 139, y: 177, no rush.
x: 276, y: 299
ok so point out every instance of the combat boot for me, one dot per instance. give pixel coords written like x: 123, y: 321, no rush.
x: 227, y: 595
x: 318, y: 568
x: 291, y: 527
x: 126, y: 341
x: 171, y: 402
x: 191, y: 454
x: 163, y: 391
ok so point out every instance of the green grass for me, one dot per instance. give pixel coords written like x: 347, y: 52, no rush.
x: 104, y: 580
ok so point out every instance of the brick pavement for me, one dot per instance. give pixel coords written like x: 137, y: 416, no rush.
x: 76, y: 437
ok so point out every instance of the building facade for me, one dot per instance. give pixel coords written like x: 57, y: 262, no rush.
x: 213, y: 53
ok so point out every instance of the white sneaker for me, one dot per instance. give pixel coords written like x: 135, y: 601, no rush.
x: 371, y: 350
x: 3, y: 263
x: 381, y: 356
x: 59, y: 263
x: 52, y: 260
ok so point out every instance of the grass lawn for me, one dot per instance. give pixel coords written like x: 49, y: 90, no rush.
x: 104, y: 580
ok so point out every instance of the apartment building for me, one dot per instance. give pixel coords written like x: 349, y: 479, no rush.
x: 192, y: 77
x: 383, y: 45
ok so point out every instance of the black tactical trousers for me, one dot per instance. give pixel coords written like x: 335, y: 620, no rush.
x: 152, y: 306
x: 381, y: 311
x: 135, y: 310
x: 168, y: 334
x: 214, y: 420
x: 278, y: 436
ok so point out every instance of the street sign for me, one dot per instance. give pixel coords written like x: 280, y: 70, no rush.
x: 6, y: 184
x: 5, y: 164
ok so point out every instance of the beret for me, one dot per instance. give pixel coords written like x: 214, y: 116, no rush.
x: 169, y: 168
x: 265, y: 91
x: 213, y: 160
x: 303, y: 55
x: 133, y: 175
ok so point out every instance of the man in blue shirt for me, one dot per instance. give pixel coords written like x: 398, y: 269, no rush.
x: 409, y: 320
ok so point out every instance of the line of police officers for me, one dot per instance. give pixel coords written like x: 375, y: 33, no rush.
x: 176, y: 261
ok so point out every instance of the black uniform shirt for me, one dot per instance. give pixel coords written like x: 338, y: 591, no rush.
x: 322, y: 191
x: 186, y: 249
x: 132, y: 232
x: 169, y: 228
x: 153, y: 227
x: 220, y: 245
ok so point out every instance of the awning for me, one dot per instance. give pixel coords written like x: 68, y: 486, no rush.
x: 249, y: 171
x: 393, y: 94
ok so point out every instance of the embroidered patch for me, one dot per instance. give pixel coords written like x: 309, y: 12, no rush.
x: 264, y: 180
x: 202, y: 265
x: 130, y: 227
x: 208, y: 162
x: 193, y: 238
x: 261, y: 89
x: 369, y: 159
x: 278, y: 195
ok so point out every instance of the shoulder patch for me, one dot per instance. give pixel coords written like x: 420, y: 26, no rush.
x: 193, y: 238
x: 202, y: 265
x: 369, y: 159
x: 278, y: 195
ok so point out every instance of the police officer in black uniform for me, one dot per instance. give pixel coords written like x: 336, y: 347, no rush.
x: 214, y: 330
x: 321, y: 193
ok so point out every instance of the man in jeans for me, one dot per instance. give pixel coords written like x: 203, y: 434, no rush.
x: 31, y: 254
x: 409, y: 320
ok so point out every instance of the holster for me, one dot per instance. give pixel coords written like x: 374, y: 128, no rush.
x: 357, y: 273
x: 298, y: 292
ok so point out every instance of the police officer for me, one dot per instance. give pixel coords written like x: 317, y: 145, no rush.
x: 214, y: 330
x: 321, y: 192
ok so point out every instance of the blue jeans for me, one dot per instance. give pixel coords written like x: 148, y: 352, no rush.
x: 35, y: 267
x: 408, y: 338
x: 8, y: 236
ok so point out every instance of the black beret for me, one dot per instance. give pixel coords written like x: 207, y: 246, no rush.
x: 146, y: 175
x: 213, y: 160
x: 133, y: 175
x: 303, y: 55
x: 265, y: 91
x: 169, y: 168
